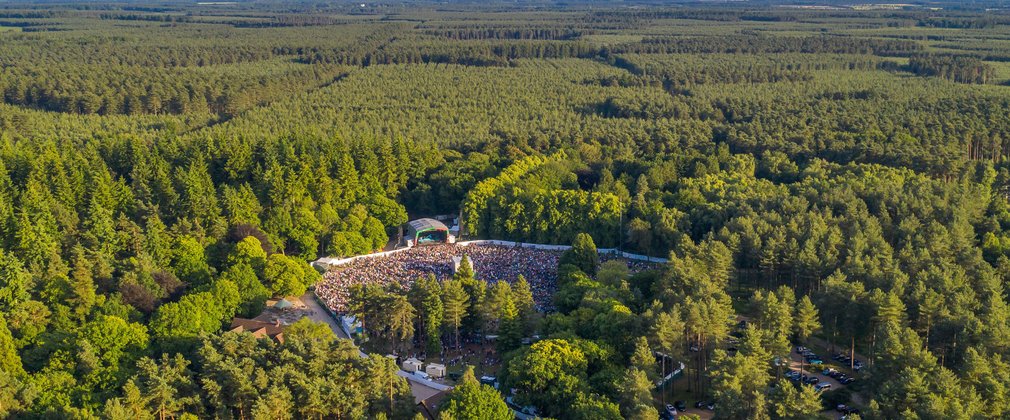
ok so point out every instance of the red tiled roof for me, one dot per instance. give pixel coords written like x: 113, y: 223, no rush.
x: 259, y: 329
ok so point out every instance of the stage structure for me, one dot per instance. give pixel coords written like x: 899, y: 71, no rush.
x: 427, y: 231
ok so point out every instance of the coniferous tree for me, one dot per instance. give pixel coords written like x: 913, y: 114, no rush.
x: 643, y: 359
x: 522, y: 296
x: 432, y: 311
x: 636, y: 395
x: 11, y: 364
x: 82, y: 288
x: 582, y: 254
x: 167, y: 385
x: 510, y: 327
x: 807, y: 319
x: 455, y: 304
x: 787, y: 401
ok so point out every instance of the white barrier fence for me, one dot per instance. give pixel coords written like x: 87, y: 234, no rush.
x: 327, y: 262
x: 330, y: 261
x: 667, y: 378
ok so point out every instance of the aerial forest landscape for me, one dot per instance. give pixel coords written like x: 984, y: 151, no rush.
x: 457, y: 210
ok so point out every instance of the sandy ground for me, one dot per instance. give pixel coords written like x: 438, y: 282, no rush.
x: 319, y: 314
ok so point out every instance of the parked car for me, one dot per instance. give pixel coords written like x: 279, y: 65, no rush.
x: 800, y: 349
x: 680, y: 405
x: 828, y: 371
x: 841, y: 408
x: 710, y: 406
x: 671, y: 410
x: 847, y: 381
x: 815, y: 361
x: 699, y: 404
x: 822, y: 386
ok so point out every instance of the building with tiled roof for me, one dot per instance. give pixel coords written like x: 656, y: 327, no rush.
x: 259, y: 329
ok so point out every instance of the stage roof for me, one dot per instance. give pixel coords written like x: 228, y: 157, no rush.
x: 424, y: 225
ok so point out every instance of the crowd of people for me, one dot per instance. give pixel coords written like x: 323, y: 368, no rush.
x: 492, y: 263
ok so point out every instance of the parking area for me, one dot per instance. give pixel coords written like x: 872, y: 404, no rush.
x: 814, y: 366
x: 702, y: 412
x: 825, y: 373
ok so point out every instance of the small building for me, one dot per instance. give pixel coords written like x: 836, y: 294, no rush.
x: 429, y: 407
x: 427, y: 231
x: 259, y: 329
x: 435, y: 370
x: 412, y: 365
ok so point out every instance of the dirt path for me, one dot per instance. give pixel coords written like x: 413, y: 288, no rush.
x: 319, y: 314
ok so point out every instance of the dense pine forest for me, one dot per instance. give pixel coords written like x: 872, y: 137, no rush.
x: 834, y: 178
